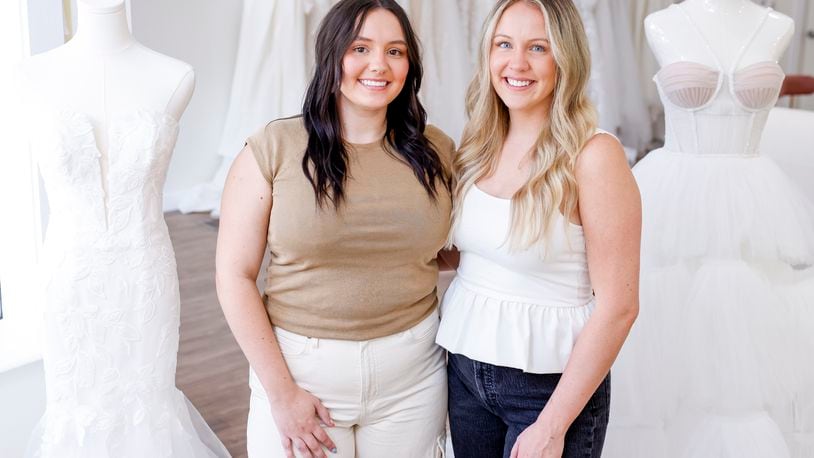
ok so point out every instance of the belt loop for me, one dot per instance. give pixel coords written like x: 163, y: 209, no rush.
x: 315, y: 345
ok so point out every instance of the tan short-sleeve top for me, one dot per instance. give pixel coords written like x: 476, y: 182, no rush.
x: 366, y: 271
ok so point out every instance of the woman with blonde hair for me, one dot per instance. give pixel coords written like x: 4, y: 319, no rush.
x: 543, y: 199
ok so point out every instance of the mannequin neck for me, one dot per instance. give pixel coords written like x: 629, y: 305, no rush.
x: 720, y: 6
x: 102, y: 27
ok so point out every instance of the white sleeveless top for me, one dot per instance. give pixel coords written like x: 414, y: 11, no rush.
x: 520, y: 309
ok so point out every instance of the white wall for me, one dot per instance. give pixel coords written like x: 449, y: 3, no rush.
x: 807, y: 51
x: 22, y: 387
x: 22, y: 397
x: 18, y: 185
x: 45, y: 25
x: 800, y: 56
x: 204, y: 34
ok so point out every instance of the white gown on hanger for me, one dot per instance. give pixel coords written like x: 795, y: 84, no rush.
x: 615, y: 85
x: 440, y: 26
x: 719, y: 363
x: 269, y: 82
x: 112, y: 303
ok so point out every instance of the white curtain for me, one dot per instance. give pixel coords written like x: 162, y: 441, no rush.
x: 615, y: 85
x: 449, y: 32
x: 275, y: 59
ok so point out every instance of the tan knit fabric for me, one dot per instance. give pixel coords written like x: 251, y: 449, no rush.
x: 366, y: 271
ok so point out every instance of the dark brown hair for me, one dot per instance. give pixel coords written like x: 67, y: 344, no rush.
x: 326, y: 159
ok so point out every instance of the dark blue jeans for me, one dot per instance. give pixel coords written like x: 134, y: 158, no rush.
x: 489, y: 406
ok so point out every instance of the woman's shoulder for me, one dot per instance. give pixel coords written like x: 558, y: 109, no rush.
x: 282, y: 141
x: 602, y: 152
x: 284, y: 128
x: 434, y: 133
x: 442, y: 142
x: 281, y: 136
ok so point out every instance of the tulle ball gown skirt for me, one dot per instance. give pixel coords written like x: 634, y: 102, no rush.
x: 719, y: 362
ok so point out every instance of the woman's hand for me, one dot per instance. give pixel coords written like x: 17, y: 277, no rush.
x: 539, y: 440
x: 297, y: 416
x: 245, y: 213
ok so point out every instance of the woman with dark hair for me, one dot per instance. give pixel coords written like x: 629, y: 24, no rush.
x: 353, y: 200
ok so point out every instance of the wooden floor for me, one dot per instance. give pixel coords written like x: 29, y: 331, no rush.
x: 212, y: 370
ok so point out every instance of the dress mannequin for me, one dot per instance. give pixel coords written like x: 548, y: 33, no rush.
x: 717, y: 363
x: 102, y: 113
x: 726, y: 24
x: 103, y: 70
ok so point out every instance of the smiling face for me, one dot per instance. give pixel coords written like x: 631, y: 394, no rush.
x: 521, y: 64
x: 375, y: 66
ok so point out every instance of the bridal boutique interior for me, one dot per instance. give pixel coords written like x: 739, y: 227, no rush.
x: 251, y: 61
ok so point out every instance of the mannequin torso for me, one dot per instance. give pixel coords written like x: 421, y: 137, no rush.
x: 718, y: 64
x: 103, y: 72
x: 727, y: 27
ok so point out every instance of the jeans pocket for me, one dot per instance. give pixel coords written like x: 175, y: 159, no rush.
x: 441, y: 446
x: 425, y: 329
x: 291, y: 344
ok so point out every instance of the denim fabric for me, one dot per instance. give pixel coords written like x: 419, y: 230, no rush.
x: 489, y: 406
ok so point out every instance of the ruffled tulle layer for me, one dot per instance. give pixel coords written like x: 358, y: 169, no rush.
x: 742, y: 207
x: 720, y: 335
x: 511, y: 332
x: 169, y: 426
x: 718, y: 363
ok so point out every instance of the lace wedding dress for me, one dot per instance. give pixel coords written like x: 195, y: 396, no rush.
x: 112, y: 303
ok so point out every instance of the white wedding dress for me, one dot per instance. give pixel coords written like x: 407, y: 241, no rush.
x: 112, y: 303
x: 274, y: 60
x: 719, y: 362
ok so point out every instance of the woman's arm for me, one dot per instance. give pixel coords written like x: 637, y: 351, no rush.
x: 610, y: 210
x: 448, y: 259
x: 245, y: 211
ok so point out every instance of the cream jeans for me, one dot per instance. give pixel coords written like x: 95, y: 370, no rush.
x: 387, y: 396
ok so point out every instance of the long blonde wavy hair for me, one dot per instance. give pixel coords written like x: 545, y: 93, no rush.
x: 551, y: 186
